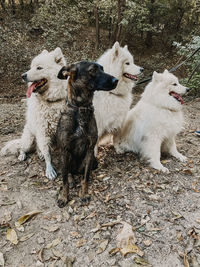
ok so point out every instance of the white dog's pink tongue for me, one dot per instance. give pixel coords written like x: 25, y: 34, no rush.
x: 177, y: 96
x: 30, y: 89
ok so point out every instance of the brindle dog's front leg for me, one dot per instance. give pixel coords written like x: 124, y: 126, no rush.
x: 63, y: 197
x: 84, y: 181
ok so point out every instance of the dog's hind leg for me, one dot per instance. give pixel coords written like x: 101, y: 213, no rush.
x: 64, y: 191
x: 43, y: 143
x: 27, y: 141
x: 170, y: 147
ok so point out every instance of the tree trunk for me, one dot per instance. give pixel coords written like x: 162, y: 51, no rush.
x: 96, y: 12
x: 13, y: 7
x: 3, y: 5
x: 120, y: 9
x: 149, y: 35
x: 22, y: 4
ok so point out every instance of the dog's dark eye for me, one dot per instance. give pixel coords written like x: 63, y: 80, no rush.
x: 174, y: 84
x: 39, y: 68
x: 92, y: 71
x: 127, y: 63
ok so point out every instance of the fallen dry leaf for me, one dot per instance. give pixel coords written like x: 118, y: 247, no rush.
x: 188, y: 171
x: 147, y: 242
x: 12, y: 236
x: 26, y: 237
x: 8, y: 203
x: 51, y: 228
x: 131, y: 248
x: 142, y: 262
x: 102, y: 246
x: 2, y: 261
x: 80, y: 243
x: 40, y: 255
x: 54, y: 243
x: 186, y: 263
x: 91, y: 215
x: 75, y: 234
x: 113, y: 251
x: 26, y: 217
x: 198, y: 220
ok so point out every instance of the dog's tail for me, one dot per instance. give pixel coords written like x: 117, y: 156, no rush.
x: 11, y: 148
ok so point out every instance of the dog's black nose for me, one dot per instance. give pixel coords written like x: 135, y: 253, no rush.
x: 114, y: 81
x: 187, y: 89
x: 24, y: 77
x: 141, y: 69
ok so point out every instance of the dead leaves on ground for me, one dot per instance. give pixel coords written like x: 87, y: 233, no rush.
x: 26, y: 218
x: 11, y: 235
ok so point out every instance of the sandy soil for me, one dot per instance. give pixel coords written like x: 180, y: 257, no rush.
x: 163, y: 209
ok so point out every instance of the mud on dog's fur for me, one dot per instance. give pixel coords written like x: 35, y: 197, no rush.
x: 46, y: 97
x: 77, y: 130
x: 111, y: 107
x: 152, y: 125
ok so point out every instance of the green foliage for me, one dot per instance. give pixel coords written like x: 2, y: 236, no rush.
x: 185, y: 50
x: 59, y: 20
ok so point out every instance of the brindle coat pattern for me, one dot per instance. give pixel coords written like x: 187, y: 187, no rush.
x: 77, y: 130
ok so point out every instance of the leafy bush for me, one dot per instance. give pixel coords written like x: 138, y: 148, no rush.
x: 186, y: 50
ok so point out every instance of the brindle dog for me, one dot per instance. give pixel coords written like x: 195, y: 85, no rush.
x: 77, y: 130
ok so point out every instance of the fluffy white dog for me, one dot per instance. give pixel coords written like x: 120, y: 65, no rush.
x: 46, y: 98
x: 152, y: 125
x: 111, y: 107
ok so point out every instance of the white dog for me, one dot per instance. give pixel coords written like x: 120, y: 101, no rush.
x: 111, y: 107
x: 46, y: 97
x: 152, y: 125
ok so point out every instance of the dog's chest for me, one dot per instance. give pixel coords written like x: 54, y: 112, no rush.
x: 50, y: 117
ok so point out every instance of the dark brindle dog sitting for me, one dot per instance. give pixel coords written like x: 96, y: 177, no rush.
x: 77, y: 130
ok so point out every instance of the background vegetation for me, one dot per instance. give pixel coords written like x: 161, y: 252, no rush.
x: 159, y: 33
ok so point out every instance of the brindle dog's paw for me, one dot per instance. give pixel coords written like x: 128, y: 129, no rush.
x: 62, y: 200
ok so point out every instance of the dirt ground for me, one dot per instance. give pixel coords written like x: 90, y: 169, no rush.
x: 162, y: 209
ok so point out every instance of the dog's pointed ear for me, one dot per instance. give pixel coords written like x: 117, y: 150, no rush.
x: 115, y: 49
x: 156, y: 76
x: 166, y: 71
x: 66, y: 71
x: 59, y: 57
x: 126, y: 47
x: 44, y: 52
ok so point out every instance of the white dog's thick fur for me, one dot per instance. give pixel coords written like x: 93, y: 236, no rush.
x: 152, y: 125
x: 111, y: 107
x: 43, y: 108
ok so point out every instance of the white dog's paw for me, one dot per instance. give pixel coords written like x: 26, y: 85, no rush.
x: 50, y: 172
x: 22, y: 156
x: 164, y: 169
x: 159, y: 167
x: 182, y: 158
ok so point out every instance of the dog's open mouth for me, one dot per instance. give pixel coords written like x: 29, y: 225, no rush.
x: 177, y: 97
x: 35, y: 86
x: 131, y: 77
